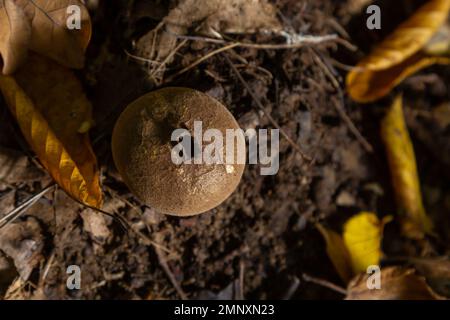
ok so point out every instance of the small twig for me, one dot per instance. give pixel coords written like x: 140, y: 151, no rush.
x: 17, y: 212
x: 170, y: 275
x: 195, y: 63
x: 339, y: 106
x: 47, y: 268
x: 241, y: 294
x: 352, y: 127
x: 292, y: 289
x: 141, y: 58
x: 261, y: 107
x: 324, y: 283
x: 299, y: 42
x: 167, y: 59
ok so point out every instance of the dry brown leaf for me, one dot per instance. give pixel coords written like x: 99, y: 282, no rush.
x: 378, y: 73
x: 403, y: 167
x: 337, y: 252
x: 41, y: 26
x: 436, y: 271
x: 52, y: 109
x: 96, y: 225
x: 23, y: 242
x: 15, y: 34
x: 396, y: 284
x: 15, y: 168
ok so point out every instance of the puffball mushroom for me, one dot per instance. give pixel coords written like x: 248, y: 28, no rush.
x: 142, y: 149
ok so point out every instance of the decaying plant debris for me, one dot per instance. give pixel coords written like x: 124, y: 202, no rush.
x: 274, y: 64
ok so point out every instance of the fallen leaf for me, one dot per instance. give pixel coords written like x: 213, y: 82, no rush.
x: 362, y: 237
x: 96, y: 225
x: 439, y: 45
x: 8, y: 273
x: 15, y: 168
x: 403, y: 167
x: 398, y: 55
x: 359, y: 247
x: 50, y: 107
x: 7, y: 202
x: 15, y: 34
x: 436, y: 271
x: 23, y: 242
x: 41, y: 26
x: 370, y: 86
x: 337, y: 252
x: 396, y: 284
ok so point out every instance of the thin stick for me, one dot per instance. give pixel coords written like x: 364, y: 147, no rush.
x: 241, y: 295
x: 324, y: 283
x: 352, y: 127
x: 141, y: 58
x: 339, y: 106
x: 17, y: 212
x: 167, y: 59
x: 299, y: 42
x: 261, y: 107
x: 170, y: 275
x: 292, y: 289
x: 206, y: 57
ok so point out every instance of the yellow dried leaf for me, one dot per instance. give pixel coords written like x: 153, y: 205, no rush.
x: 42, y: 26
x: 337, y: 252
x: 403, y: 167
x: 50, y: 107
x: 369, y: 86
x: 384, y: 66
x: 396, y: 284
x: 439, y: 45
x: 362, y: 237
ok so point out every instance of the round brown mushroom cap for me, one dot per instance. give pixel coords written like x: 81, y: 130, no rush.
x: 142, y: 146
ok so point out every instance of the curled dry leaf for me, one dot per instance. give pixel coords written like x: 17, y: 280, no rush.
x: 403, y: 167
x: 15, y: 168
x: 396, y: 284
x: 436, y: 271
x: 41, y: 26
x: 439, y: 45
x: 23, y: 242
x: 15, y: 34
x: 52, y: 109
x: 362, y: 235
x: 337, y: 252
x: 359, y: 247
x: 398, y: 55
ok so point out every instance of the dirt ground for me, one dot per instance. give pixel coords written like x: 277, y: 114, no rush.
x: 262, y: 242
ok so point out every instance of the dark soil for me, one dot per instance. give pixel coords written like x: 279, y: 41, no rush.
x: 262, y: 241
